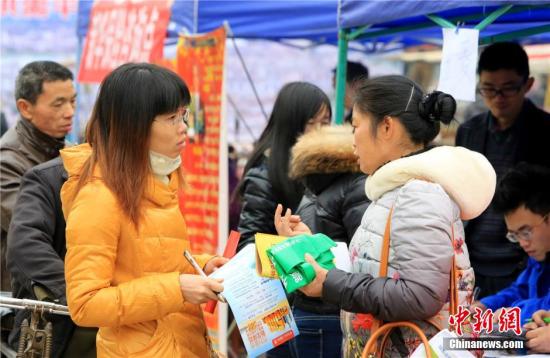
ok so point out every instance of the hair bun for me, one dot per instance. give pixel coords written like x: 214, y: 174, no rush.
x: 437, y: 107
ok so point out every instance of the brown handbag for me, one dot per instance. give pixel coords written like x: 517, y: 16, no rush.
x: 372, y: 348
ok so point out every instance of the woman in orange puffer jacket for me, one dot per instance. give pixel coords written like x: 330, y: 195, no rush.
x: 125, y: 269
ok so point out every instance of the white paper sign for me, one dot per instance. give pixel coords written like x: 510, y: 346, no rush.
x: 457, y: 75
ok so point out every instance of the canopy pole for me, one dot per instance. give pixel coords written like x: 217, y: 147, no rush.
x: 397, y: 30
x: 441, y: 21
x: 240, y: 117
x: 196, y: 16
x: 341, y: 75
x: 229, y: 33
x: 508, y: 36
x: 360, y: 31
x: 492, y: 17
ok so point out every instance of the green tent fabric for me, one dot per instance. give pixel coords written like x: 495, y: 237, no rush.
x: 290, y: 264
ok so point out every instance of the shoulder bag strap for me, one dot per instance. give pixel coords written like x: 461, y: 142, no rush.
x: 385, y: 251
x: 383, y: 272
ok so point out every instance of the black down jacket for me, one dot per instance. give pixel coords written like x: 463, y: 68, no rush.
x: 259, y: 200
x: 36, y: 250
x: 334, y: 201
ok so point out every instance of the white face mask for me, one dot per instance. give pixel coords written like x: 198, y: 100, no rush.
x: 163, y: 165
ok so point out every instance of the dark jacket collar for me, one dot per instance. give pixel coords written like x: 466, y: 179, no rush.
x: 39, y: 141
x: 518, y: 125
x: 481, y: 127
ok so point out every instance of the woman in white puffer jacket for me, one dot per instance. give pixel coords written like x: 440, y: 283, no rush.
x: 431, y: 189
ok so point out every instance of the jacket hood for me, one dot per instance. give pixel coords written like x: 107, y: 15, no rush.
x: 326, y: 150
x: 74, y: 159
x: 466, y: 176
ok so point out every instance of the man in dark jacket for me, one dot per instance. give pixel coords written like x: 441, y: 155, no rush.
x: 36, y: 253
x: 45, y: 97
x: 513, y: 130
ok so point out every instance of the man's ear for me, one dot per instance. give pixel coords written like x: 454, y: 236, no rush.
x: 529, y: 84
x: 25, y: 108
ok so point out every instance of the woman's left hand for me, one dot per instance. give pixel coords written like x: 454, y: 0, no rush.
x: 214, y: 263
x: 315, y: 288
x: 289, y: 225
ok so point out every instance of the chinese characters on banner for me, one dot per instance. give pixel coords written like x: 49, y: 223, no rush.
x: 120, y: 32
x: 200, y: 62
x: 38, y: 8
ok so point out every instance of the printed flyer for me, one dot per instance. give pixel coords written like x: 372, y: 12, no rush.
x: 259, y: 304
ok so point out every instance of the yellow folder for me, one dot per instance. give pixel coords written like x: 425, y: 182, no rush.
x: 264, y: 266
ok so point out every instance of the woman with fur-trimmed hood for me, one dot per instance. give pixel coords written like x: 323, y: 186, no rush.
x: 334, y: 202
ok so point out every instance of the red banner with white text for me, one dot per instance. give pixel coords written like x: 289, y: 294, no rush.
x: 123, y: 31
x: 38, y: 9
x: 200, y: 62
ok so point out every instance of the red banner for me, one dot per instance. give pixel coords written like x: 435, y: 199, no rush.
x: 200, y: 62
x: 40, y: 9
x: 120, y: 32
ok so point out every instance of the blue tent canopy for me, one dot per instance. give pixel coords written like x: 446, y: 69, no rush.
x: 373, y: 22
x: 249, y: 19
x: 420, y: 21
x: 320, y: 20
x: 389, y: 13
x: 409, y: 19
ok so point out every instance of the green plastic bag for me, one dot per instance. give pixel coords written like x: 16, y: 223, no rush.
x: 289, y: 262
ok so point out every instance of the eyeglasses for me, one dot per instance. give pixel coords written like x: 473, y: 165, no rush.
x: 508, y: 91
x: 179, y: 118
x: 524, y: 234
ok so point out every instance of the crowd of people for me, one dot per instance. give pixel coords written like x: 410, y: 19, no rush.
x: 97, y: 226
x: 435, y: 195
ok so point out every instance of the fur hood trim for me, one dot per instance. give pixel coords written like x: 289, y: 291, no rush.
x: 324, y: 151
x: 466, y: 176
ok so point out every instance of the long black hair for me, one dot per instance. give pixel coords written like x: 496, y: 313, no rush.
x: 296, y: 104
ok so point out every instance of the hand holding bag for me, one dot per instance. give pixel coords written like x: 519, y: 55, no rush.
x: 288, y: 259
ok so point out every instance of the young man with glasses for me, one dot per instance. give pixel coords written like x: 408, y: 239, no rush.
x: 513, y: 130
x: 523, y: 196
